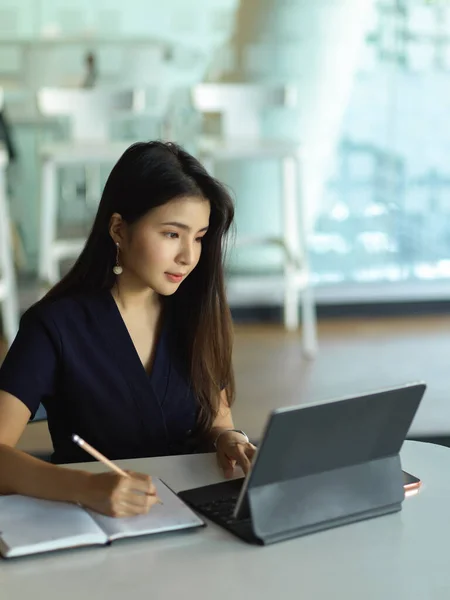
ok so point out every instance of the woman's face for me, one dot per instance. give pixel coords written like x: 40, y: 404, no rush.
x: 164, y: 246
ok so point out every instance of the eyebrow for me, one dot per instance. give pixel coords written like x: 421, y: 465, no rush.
x: 183, y: 226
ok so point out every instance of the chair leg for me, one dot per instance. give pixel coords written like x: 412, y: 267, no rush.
x: 48, y: 264
x: 9, y: 301
x: 309, y: 321
x: 309, y: 324
x: 10, y: 314
x: 93, y: 185
x: 289, y: 199
x: 291, y: 298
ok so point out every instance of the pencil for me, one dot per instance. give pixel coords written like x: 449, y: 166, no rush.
x: 98, y: 455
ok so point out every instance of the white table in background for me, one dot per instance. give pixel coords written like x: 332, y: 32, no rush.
x: 401, y: 556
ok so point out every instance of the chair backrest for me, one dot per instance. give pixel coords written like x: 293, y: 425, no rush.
x: 241, y: 104
x: 90, y: 111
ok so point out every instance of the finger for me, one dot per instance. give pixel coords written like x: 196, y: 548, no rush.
x: 140, y: 477
x: 142, y: 483
x: 138, y: 498
x: 250, y: 451
x: 129, y: 506
x: 138, y: 501
x: 125, y: 510
x: 227, y: 464
x: 242, y: 459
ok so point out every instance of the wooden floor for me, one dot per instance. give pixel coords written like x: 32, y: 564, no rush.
x: 356, y: 355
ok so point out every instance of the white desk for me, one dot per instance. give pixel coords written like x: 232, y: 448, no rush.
x: 401, y: 556
x: 67, y: 153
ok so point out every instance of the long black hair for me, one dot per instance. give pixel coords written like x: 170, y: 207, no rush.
x: 150, y: 174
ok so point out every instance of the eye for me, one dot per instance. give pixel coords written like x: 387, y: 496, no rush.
x: 171, y: 235
x: 200, y: 239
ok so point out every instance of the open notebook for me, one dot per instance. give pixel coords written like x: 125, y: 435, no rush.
x: 29, y: 525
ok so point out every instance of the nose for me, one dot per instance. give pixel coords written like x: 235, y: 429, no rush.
x: 187, y: 255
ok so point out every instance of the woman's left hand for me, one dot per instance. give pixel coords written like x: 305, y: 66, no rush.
x: 233, y: 449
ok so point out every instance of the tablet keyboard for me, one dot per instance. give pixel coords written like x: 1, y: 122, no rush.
x: 220, y: 509
x: 217, y: 502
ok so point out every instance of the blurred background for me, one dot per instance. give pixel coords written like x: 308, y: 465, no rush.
x: 328, y: 119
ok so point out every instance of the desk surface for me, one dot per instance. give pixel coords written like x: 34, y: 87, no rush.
x: 399, y: 556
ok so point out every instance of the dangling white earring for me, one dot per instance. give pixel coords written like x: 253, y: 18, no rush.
x: 117, y: 269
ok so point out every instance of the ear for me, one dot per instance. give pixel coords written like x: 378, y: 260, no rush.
x: 117, y: 228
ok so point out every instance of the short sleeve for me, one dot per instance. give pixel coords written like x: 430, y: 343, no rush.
x: 29, y: 369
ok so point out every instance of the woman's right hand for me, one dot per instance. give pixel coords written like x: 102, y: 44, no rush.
x: 118, y: 496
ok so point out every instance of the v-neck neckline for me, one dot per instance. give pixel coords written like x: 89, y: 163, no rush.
x: 148, y: 392
x: 126, y: 335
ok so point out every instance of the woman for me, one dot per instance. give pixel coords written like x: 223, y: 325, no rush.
x: 132, y: 349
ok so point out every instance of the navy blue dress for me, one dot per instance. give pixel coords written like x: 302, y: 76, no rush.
x: 75, y: 355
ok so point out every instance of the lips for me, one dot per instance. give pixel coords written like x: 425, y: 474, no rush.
x: 175, y: 277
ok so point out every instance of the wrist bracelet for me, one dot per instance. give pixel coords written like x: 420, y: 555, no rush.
x: 226, y: 431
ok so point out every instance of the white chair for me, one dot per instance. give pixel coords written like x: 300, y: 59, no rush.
x: 8, y: 286
x: 240, y: 107
x: 90, y: 113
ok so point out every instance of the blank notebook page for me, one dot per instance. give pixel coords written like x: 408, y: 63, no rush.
x: 29, y: 525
